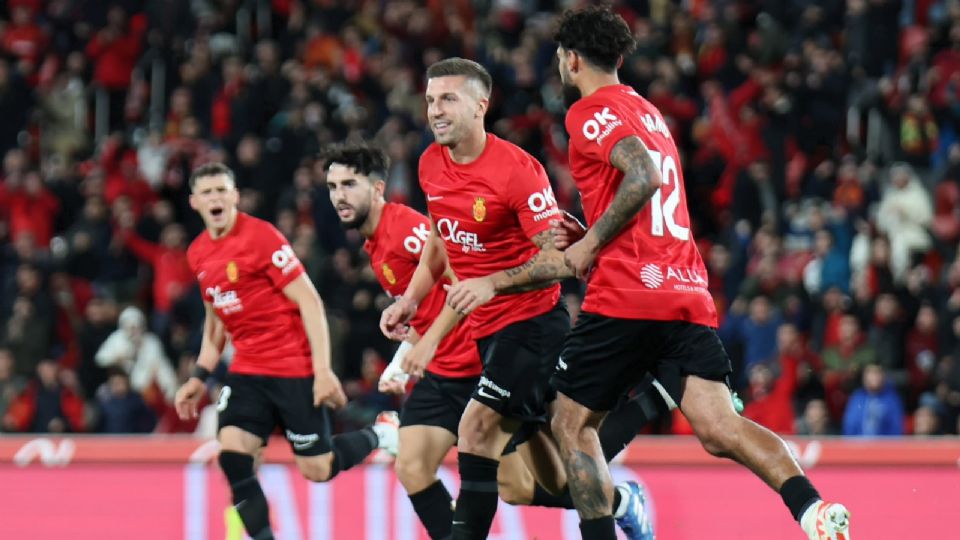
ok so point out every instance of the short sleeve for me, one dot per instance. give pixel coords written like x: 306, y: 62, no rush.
x: 411, y: 230
x: 531, y: 197
x: 281, y: 263
x: 595, y: 128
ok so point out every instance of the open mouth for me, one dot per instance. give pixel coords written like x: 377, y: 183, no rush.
x: 441, y: 126
x: 344, y: 211
x: 216, y: 212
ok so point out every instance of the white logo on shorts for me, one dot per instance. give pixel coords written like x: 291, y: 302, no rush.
x: 300, y: 441
x: 651, y: 276
x: 561, y: 365
x: 222, y: 399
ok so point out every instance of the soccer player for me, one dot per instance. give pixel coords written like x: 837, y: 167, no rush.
x: 646, y: 289
x: 255, y: 289
x: 396, y: 236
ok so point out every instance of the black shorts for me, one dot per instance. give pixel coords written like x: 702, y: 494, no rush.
x: 517, y: 364
x: 438, y: 401
x: 605, y: 357
x: 259, y: 403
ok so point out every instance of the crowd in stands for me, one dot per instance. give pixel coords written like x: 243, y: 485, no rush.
x: 821, y: 162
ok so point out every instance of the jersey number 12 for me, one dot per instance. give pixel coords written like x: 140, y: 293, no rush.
x: 663, y: 213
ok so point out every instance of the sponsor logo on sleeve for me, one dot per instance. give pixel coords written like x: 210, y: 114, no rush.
x: 543, y: 204
x: 601, y: 125
x: 285, y: 259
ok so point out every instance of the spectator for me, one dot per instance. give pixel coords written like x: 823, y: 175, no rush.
x: 49, y: 404
x: 905, y: 214
x: 140, y: 354
x: 875, y: 409
x: 816, y: 420
x: 11, y: 384
x: 842, y: 363
x: 756, y: 332
x: 771, y: 398
x: 122, y: 410
x: 168, y: 259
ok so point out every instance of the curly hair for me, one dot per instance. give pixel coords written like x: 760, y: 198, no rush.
x: 596, y: 33
x: 363, y: 158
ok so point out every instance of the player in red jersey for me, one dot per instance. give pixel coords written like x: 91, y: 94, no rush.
x: 256, y: 293
x: 489, y: 204
x: 646, y: 289
x: 395, y: 237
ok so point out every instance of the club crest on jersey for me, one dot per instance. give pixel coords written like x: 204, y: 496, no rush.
x: 480, y: 209
x: 233, y: 272
x: 388, y: 274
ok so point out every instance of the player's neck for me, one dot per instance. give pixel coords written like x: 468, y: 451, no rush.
x: 469, y: 148
x: 595, y: 81
x: 218, y: 233
x: 369, y: 227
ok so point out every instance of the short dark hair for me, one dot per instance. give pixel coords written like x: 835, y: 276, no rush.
x: 596, y: 33
x: 450, y: 67
x: 211, y: 169
x: 366, y: 159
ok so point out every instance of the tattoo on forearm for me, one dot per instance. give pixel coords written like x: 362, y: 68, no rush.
x: 517, y: 270
x: 586, y: 486
x: 641, y: 179
x: 542, y: 270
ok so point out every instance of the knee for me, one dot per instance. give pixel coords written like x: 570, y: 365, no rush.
x: 315, y: 470
x: 472, y: 434
x: 413, y: 474
x: 717, y: 438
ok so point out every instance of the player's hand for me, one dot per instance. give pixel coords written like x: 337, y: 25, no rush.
x: 327, y: 390
x: 566, y: 231
x: 580, y: 257
x: 469, y: 294
x: 188, y: 397
x: 394, y: 319
x: 393, y: 380
x: 416, y: 360
x: 392, y: 387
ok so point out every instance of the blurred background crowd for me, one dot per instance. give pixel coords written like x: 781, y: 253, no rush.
x: 820, y: 152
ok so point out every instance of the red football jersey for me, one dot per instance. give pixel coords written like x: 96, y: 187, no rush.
x: 395, y: 249
x: 487, y: 211
x: 243, y: 275
x: 653, y: 269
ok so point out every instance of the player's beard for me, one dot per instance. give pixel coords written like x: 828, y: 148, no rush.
x: 571, y: 95
x: 360, y: 216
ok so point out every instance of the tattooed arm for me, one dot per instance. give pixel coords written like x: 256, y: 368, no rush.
x: 641, y: 180
x: 542, y: 270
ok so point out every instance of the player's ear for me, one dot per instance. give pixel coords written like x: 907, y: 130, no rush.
x: 379, y: 187
x: 193, y: 201
x: 482, y: 105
